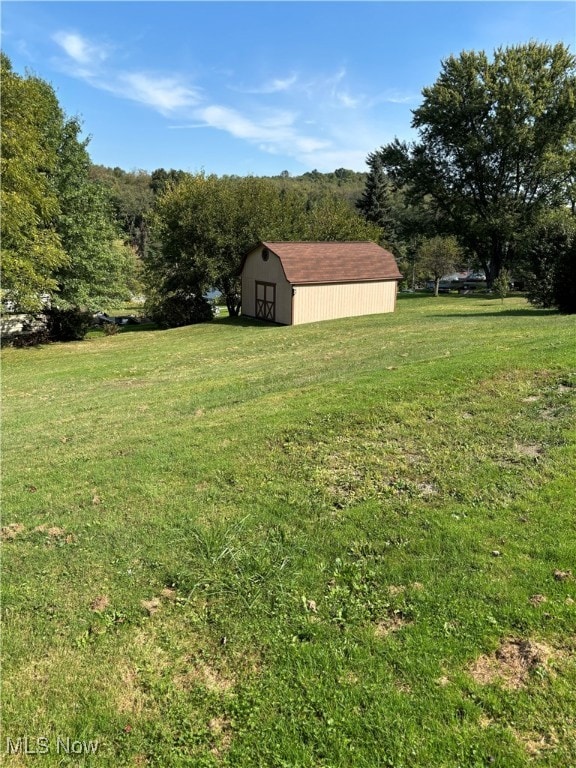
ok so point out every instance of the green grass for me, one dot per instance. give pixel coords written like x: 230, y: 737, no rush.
x: 245, y: 545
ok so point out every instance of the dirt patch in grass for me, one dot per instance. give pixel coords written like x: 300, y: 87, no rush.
x: 532, y: 451
x: 538, y: 599
x: 11, y: 531
x: 222, y: 735
x: 562, y: 575
x: 548, y: 414
x: 203, y: 674
x: 512, y: 663
x: 537, y: 743
x: 55, y: 534
x: 151, y: 606
x: 100, y: 603
x: 131, y: 698
x: 390, y: 624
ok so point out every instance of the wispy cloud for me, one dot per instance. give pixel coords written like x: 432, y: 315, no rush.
x: 394, y: 96
x: 274, y: 85
x: 79, y: 49
x: 318, y: 120
x: 165, y: 94
x: 274, y: 132
x: 86, y: 60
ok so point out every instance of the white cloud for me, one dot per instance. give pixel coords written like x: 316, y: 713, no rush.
x: 273, y: 133
x: 346, y: 100
x: 165, y: 94
x: 393, y: 96
x: 79, y: 49
x: 276, y: 85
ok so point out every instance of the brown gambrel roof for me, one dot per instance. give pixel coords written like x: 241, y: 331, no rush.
x: 334, y: 262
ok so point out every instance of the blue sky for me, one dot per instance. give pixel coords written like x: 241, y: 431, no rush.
x: 256, y: 87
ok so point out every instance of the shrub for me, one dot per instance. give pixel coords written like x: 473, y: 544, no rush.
x: 551, y: 264
x: 67, y: 324
x: 176, y: 310
x: 32, y: 339
x: 110, y: 329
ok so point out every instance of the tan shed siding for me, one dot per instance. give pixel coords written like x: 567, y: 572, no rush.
x: 255, y: 269
x: 330, y: 301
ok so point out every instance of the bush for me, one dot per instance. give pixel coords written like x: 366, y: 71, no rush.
x: 110, y: 329
x: 176, y: 310
x: 67, y: 324
x: 32, y: 339
x: 551, y: 264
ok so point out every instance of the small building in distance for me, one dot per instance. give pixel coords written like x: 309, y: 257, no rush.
x: 294, y: 283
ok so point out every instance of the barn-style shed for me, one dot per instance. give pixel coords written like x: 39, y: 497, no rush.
x: 294, y: 283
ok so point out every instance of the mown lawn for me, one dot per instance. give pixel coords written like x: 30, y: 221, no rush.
x: 344, y: 544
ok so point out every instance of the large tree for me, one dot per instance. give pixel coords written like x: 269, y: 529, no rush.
x: 31, y: 129
x: 496, y: 146
x: 100, y: 269
x: 58, y: 235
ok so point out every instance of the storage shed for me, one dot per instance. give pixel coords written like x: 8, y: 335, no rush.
x: 294, y: 283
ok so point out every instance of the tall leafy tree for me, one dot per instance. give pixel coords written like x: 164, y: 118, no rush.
x: 496, y: 146
x: 31, y: 124
x: 58, y: 236
x: 100, y: 270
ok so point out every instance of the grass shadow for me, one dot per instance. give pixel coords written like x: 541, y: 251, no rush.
x: 533, y: 312
x: 246, y: 322
x: 137, y: 327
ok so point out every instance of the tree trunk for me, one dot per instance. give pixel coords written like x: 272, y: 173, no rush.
x: 233, y: 304
x: 436, y: 286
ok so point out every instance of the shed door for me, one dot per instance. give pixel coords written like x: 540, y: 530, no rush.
x: 266, y: 301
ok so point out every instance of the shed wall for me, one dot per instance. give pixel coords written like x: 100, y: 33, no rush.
x: 255, y: 269
x: 330, y: 301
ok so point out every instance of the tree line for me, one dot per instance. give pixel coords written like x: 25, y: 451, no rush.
x: 490, y: 183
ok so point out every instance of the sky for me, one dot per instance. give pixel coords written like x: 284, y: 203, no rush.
x: 256, y: 88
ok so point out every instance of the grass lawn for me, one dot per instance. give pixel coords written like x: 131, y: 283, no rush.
x: 349, y: 543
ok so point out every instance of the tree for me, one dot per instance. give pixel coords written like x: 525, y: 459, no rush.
x: 438, y: 257
x: 329, y: 218
x: 496, y: 147
x: 100, y: 271
x: 31, y: 123
x: 375, y: 203
x: 58, y: 236
x: 501, y: 284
